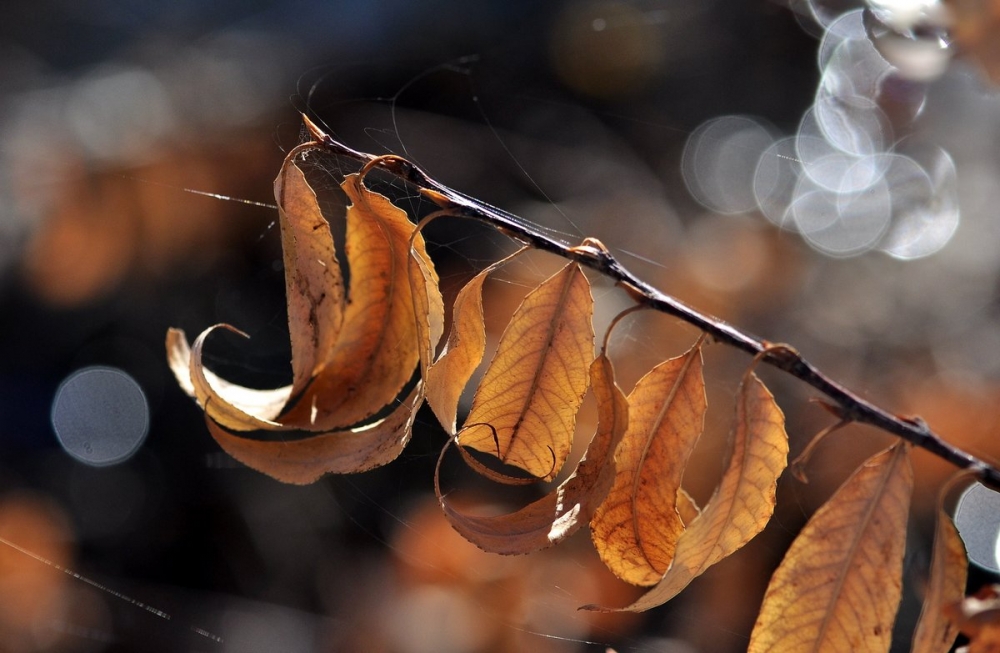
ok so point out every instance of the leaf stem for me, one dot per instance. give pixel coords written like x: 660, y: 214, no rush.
x: 596, y: 257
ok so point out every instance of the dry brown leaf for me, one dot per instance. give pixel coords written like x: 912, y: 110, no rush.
x: 234, y: 406
x: 314, y: 286
x: 428, y: 305
x: 463, y: 352
x: 350, y: 358
x: 839, y: 585
x: 978, y: 617
x: 742, y: 504
x: 378, y: 346
x: 339, y: 452
x: 356, y: 365
x: 945, y: 586
x: 534, y: 385
x: 560, y: 513
x: 636, y: 529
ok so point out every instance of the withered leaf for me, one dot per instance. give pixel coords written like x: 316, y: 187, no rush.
x: 744, y: 501
x: 428, y: 305
x: 534, y: 385
x: 636, y: 529
x: 560, y: 513
x: 378, y: 346
x: 314, y: 286
x: 234, y: 406
x: 349, y: 451
x: 463, y: 351
x: 839, y: 585
x: 350, y: 359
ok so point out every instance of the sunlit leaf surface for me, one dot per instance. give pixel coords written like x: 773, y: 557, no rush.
x: 535, y: 383
x: 636, y: 529
x: 839, y: 585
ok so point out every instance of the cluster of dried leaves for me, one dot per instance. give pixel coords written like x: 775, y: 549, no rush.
x: 354, y: 352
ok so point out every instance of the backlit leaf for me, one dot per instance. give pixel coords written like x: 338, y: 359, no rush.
x: 744, y: 501
x: 636, y: 529
x: 839, y: 585
x: 449, y: 374
x: 560, y: 513
x: 378, y: 346
x: 945, y: 586
x: 314, y: 290
x: 314, y: 287
x: 234, y: 406
x: 351, y: 358
x: 534, y: 385
x: 428, y: 305
x: 340, y: 452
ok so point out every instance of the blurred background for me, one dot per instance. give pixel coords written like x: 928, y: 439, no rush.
x: 818, y: 173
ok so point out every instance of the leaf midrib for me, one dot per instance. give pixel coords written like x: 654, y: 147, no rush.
x: 852, y: 551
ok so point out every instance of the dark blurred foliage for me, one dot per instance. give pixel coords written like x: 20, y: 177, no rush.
x: 573, y: 115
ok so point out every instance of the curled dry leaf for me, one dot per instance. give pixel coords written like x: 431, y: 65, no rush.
x: 560, y: 513
x: 428, y: 305
x: 935, y: 633
x: 742, y: 504
x: 534, y: 385
x: 636, y: 529
x: 350, y: 358
x: 839, y: 585
x: 378, y: 345
x: 232, y: 405
x: 463, y: 351
x: 978, y: 618
x: 349, y: 451
x: 314, y: 286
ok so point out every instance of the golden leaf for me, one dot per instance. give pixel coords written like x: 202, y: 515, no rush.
x: 350, y: 358
x: 349, y: 451
x: 839, y: 585
x: 742, y: 504
x: 449, y: 374
x: 428, y: 305
x: 636, y: 529
x: 314, y: 286
x: 378, y: 346
x: 945, y: 586
x: 231, y: 405
x: 534, y: 385
x: 560, y: 513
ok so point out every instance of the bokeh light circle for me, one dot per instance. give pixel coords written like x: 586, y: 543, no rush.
x: 719, y: 162
x: 977, y: 518
x: 777, y: 173
x: 100, y: 416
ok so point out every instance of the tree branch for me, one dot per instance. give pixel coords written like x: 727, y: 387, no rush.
x: 592, y: 254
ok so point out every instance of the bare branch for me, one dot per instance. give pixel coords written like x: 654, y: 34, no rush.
x: 592, y: 254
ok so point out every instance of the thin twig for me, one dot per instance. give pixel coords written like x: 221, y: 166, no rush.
x: 591, y: 254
